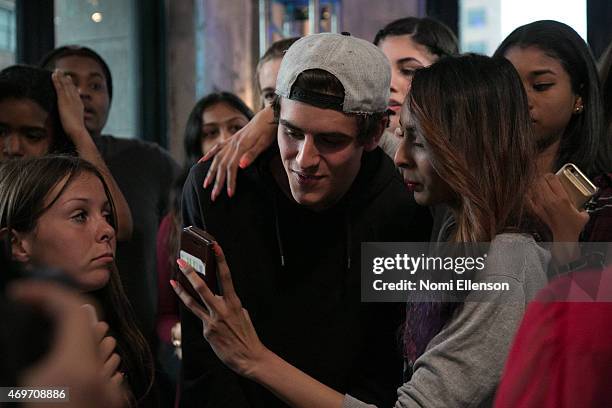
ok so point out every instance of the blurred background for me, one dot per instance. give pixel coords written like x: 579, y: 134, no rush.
x: 165, y: 54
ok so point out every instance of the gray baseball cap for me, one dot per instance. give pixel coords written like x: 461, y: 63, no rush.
x: 361, y: 68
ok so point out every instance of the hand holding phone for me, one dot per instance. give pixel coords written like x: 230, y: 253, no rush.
x: 197, y: 251
x: 578, y: 187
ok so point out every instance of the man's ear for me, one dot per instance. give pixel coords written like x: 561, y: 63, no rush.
x: 372, y: 142
x: 21, y: 248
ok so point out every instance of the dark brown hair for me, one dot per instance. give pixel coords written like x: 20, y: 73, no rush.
x: 605, y: 74
x: 431, y: 33
x: 584, y: 141
x: 472, y: 112
x: 24, y: 187
x: 25, y: 82
x: 192, y: 140
x: 320, y: 81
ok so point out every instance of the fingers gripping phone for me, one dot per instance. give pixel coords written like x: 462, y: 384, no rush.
x: 197, y: 251
x: 579, y: 188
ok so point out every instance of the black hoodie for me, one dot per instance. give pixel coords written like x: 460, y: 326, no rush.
x: 297, y: 272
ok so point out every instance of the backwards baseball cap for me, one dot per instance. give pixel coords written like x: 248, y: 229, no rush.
x: 361, y: 68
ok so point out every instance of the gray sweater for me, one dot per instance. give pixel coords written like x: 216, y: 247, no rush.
x: 462, y: 364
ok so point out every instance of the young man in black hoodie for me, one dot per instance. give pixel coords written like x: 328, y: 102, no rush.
x: 292, y: 233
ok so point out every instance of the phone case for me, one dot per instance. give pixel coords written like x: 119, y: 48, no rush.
x: 197, y: 251
x: 579, y: 188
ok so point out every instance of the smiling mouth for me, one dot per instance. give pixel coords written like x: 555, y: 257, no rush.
x: 306, y: 179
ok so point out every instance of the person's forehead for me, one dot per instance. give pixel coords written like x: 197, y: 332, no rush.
x: 532, y: 58
x: 80, y: 64
x: 312, y: 119
x: 19, y: 109
x: 220, y: 112
x: 269, y: 70
x: 85, y: 185
x: 400, y: 47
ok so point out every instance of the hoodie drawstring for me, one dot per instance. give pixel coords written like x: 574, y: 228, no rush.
x: 347, y: 223
x: 278, y: 236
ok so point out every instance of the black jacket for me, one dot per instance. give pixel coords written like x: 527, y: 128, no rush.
x: 297, y: 272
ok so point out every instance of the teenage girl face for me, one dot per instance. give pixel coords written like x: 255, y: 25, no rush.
x: 74, y: 235
x: 267, y: 80
x: 414, y: 160
x: 219, y: 122
x: 25, y: 129
x: 552, y: 102
x: 405, y: 56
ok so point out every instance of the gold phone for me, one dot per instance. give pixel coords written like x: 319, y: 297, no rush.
x: 578, y: 186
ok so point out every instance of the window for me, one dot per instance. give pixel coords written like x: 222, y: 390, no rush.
x: 479, y: 47
x: 8, y: 33
x: 107, y: 27
x: 477, y: 18
x: 485, y: 23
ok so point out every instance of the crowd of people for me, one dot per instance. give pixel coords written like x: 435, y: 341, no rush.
x: 402, y: 139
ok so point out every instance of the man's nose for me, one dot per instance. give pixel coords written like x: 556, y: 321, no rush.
x: 403, y: 157
x: 309, y: 155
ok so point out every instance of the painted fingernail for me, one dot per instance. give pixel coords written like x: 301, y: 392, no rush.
x: 243, y: 162
x: 230, y: 193
x: 182, y: 264
x: 217, y: 249
x: 174, y: 285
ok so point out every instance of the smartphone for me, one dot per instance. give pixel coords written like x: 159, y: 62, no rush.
x: 579, y: 188
x: 197, y: 251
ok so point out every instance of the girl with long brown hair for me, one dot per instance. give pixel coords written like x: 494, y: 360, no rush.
x: 57, y: 212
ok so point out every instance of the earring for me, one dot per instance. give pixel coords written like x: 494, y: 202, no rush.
x: 578, y: 109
